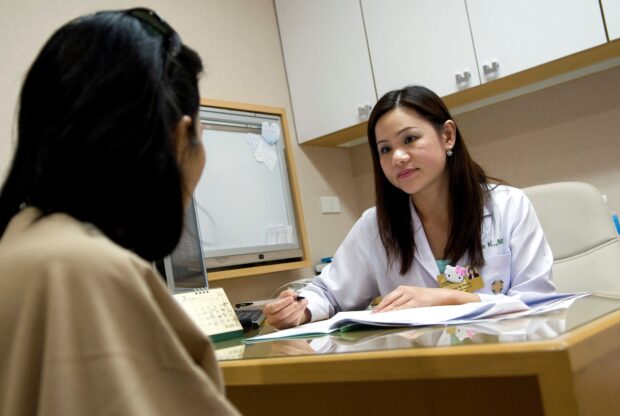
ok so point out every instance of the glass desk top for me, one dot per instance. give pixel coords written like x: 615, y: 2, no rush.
x: 534, y: 328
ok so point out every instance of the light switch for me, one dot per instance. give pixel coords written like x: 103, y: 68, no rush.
x: 330, y: 205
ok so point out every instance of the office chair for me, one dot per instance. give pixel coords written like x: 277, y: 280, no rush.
x: 582, y: 236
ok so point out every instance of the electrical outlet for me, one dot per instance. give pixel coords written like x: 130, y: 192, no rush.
x: 330, y: 205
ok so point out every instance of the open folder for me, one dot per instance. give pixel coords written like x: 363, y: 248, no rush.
x: 500, y: 307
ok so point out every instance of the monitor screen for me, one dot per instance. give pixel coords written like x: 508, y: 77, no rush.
x: 184, y: 269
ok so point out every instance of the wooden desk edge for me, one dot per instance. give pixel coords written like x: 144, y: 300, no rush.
x: 568, y: 350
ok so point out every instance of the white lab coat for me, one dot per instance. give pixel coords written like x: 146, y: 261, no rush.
x: 514, y: 247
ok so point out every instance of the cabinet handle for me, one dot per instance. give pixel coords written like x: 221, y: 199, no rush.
x: 464, y: 77
x: 489, y: 69
x: 363, y: 111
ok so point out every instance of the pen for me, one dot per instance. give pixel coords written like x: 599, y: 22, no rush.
x: 258, y: 305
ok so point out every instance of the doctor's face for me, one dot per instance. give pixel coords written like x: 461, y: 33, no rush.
x: 411, y: 151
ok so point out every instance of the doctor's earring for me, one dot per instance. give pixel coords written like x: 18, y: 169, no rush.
x: 449, y: 152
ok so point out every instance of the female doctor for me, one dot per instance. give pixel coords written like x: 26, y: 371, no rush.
x: 440, y: 233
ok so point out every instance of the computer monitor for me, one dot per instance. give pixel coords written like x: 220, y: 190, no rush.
x: 184, y: 269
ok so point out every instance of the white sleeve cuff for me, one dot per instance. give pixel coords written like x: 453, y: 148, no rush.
x: 319, y: 307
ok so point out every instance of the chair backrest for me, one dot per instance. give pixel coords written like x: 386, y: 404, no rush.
x: 582, y: 236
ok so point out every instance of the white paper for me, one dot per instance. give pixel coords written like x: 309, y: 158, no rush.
x: 279, y: 234
x: 501, y: 307
x: 264, y: 153
x: 555, y: 303
x: 433, y: 315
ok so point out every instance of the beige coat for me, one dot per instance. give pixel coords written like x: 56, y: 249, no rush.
x: 88, y: 328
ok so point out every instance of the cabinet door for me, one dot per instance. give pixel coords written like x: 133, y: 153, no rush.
x: 327, y: 64
x: 424, y: 42
x: 611, y: 9
x: 520, y: 34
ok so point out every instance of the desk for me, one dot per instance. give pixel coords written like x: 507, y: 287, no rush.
x: 565, y: 363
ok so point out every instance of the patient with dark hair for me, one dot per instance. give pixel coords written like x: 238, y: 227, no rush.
x: 108, y: 155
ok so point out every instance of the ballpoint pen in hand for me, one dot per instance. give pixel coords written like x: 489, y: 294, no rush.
x: 259, y: 304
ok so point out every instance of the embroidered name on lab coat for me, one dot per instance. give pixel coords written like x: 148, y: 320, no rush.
x: 493, y: 243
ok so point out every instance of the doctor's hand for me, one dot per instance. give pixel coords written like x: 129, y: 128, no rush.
x: 286, y: 312
x: 405, y: 297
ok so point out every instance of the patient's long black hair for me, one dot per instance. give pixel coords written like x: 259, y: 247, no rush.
x: 97, y: 113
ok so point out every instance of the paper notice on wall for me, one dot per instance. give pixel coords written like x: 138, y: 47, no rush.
x: 279, y: 234
x: 263, y: 151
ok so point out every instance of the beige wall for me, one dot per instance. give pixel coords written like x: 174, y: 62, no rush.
x: 239, y: 43
x: 569, y: 132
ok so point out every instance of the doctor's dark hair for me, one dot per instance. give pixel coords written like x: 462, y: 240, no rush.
x: 97, y: 115
x: 468, y: 183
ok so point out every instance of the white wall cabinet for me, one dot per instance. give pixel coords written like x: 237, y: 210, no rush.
x: 327, y: 64
x: 426, y: 42
x: 611, y: 9
x: 339, y: 52
x: 510, y: 35
x: 430, y: 42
